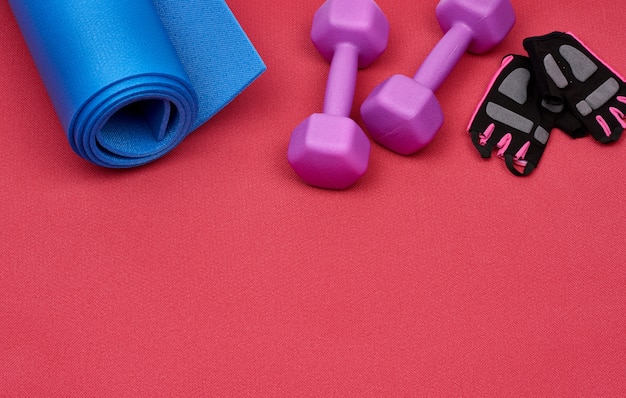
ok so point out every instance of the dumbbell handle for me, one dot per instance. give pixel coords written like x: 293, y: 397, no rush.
x: 341, y: 80
x: 444, y: 56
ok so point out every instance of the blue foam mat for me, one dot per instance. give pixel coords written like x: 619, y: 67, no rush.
x: 131, y: 79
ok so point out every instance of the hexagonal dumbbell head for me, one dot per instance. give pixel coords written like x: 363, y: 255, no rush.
x: 402, y: 115
x: 360, y: 22
x: 489, y: 20
x: 329, y: 151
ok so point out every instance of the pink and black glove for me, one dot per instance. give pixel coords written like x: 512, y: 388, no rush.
x: 569, y: 74
x: 512, y: 119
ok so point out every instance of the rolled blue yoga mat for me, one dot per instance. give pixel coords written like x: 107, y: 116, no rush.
x: 130, y: 79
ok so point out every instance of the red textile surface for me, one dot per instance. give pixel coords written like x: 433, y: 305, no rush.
x: 216, y: 272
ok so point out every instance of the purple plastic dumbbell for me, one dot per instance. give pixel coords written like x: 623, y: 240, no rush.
x: 329, y: 150
x: 403, y: 114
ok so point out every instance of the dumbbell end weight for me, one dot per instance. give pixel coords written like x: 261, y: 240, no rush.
x: 329, y: 151
x: 401, y: 115
x: 489, y: 20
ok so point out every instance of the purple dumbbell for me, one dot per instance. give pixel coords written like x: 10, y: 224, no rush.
x: 329, y: 150
x: 403, y: 114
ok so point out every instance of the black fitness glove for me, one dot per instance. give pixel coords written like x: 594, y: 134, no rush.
x: 570, y: 74
x: 511, y: 118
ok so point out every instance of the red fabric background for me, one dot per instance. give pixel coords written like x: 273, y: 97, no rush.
x: 216, y: 272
